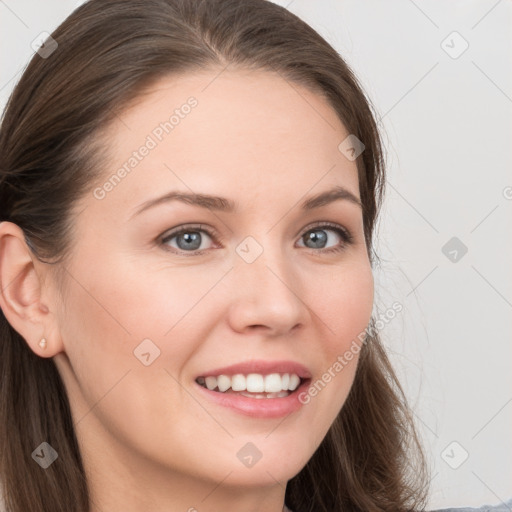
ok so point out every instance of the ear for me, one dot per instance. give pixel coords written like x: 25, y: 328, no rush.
x: 21, y: 278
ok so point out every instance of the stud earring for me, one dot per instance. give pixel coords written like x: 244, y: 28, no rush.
x: 42, y: 343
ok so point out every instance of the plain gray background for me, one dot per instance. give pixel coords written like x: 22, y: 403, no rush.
x: 445, y: 114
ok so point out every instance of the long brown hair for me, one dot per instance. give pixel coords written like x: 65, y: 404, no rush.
x: 109, y: 52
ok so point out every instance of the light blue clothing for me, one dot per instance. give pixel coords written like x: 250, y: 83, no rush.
x: 502, y: 507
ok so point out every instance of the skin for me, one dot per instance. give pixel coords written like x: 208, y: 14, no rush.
x: 150, y: 439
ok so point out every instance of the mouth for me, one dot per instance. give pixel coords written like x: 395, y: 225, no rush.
x: 257, y: 388
x: 254, y: 385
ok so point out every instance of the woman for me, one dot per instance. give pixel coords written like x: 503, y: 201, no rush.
x: 188, y: 195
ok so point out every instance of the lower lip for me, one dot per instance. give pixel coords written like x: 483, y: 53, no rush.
x: 258, y: 407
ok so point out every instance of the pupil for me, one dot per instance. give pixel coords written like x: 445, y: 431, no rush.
x: 193, y: 240
x: 318, y: 239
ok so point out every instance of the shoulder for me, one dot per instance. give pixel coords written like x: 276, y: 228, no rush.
x: 501, y: 507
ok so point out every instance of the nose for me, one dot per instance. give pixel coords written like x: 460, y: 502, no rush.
x: 266, y: 295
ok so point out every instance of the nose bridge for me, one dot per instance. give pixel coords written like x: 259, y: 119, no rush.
x: 262, y: 261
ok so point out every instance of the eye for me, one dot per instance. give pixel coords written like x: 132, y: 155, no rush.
x: 189, y: 239
x: 318, y: 238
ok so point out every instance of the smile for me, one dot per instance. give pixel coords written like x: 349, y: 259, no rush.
x: 253, y: 385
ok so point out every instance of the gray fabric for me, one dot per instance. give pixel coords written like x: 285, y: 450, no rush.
x: 502, y: 507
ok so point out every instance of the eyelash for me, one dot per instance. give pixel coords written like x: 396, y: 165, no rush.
x: 345, y: 235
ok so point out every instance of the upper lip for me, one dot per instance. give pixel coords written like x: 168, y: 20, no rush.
x: 260, y: 366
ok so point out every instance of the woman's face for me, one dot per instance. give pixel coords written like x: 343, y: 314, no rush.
x: 255, y: 279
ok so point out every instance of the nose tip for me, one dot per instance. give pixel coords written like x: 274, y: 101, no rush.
x: 266, y: 300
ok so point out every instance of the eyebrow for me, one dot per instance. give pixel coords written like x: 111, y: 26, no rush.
x: 222, y: 204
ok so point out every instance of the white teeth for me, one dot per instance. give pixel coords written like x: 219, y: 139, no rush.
x: 258, y: 396
x: 294, y: 382
x: 238, y: 382
x: 281, y: 394
x: 255, y: 383
x: 274, y: 383
x: 211, y: 382
x: 223, y: 382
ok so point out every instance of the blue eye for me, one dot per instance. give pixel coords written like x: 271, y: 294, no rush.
x: 318, y: 237
x: 189, y: 238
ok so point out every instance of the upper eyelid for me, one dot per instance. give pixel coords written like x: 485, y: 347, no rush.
x: 192, y: 227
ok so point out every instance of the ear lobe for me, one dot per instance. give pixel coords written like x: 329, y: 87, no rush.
x: 20, y: 286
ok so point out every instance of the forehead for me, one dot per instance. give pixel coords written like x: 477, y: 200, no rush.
x: 218, y: 130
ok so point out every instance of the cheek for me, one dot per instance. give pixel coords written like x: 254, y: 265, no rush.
x: 123, y: 310
x: 345, y: 310
x: 151, y: 298
x: 96, y: 335
x: 106, y: 317
x: 346, y: 304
